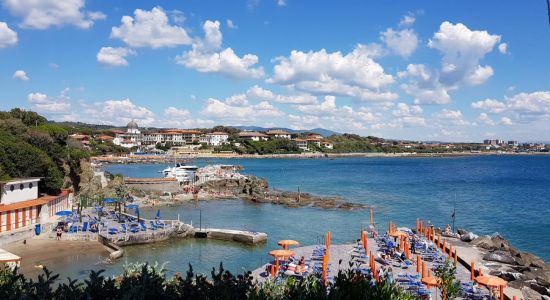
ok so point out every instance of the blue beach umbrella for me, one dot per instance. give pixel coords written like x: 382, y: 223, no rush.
x: 132, y: 206
x: 158, y: 213
x: 64, y: 213
x: 109, y: 200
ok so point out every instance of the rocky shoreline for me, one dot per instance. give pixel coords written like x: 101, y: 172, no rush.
x: 257, y: 190
x: 523, y: 271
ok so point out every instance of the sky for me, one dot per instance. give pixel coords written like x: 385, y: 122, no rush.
x: 420, y: 70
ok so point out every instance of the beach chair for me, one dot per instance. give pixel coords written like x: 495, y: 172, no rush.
x: 142, y: 225
x: 160, y: 224
x: 85, y: 227
x: 113, y: 231
x: 153, y: 226
x: 134, y: 227
x: 123, y: 228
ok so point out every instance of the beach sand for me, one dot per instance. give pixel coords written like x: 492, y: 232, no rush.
x: 45, y: 252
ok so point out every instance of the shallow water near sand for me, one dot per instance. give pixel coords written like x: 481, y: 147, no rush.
x: 505, y: 194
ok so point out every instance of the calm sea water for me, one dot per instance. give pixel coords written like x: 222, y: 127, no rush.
x: 505, y: 194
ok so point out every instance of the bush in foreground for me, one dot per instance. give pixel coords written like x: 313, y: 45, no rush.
x: 144, y: 281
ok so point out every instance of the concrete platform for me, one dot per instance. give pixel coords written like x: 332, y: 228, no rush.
x: 241, y: 236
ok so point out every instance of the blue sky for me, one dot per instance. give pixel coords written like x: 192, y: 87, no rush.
x: 428, y: 70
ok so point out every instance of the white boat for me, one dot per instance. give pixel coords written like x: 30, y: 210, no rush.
x: 182, y: 173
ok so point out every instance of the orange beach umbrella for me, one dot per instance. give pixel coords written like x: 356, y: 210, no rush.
x: 431, y: 281
x: 280, y: 253
x: 398, y: 234
x: 492, y: 281
x: 286, y: 243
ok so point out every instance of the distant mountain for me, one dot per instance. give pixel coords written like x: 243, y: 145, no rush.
x: 321, y: 131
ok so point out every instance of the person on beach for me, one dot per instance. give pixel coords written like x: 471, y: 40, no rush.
x: 58, y: 233
x: 389, y: 276
x: 413, y: 245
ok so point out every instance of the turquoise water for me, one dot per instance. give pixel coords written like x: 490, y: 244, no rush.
x: 505, y: 194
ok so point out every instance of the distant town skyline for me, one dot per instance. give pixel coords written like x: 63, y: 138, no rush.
x: 424, y: 70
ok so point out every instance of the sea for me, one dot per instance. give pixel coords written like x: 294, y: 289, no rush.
x: 504, y: 194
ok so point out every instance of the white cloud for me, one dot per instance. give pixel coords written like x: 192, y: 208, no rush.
x: 242, y: 114
x: 503, y: 48
x: 354, y: 75
x: 402, y: 42
x: 506, y: 121
x: 8, y: 37
x: 281, y: 2
x: 262, y: 94
x: 114, y: 56
x: 182, y: 118
x: 404, y: 110
x: 150, y: 29
x: 462, y: 50
x: 484, y: 118
x: 536, y: 103
x: 173, y: 112
x: 20, y: 75
x: 43, y: 14
x: 37, y: 98
x: 490, y: 105
x: 424, y: 85
x: 96, y: 16
x: 231, y: 24
x: 451, y: 117
x: 41, y: 103
x: 341, y: 118
x: 407, y: 20
x: 208, y: 57
x: 237, y: 100
x: 118, y: 112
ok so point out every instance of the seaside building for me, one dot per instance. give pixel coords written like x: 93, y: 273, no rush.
x: 131, y: 138
x: 314, y: 140
x: 21, y: 207
x: 314, y: 136
x: 302, y: 144
x: 217, y: 138
x: 253, y: 136
x: 513, y: 144
x: 277, y: 133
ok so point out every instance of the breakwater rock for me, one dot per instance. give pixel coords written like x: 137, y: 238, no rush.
x: 522, y: 270
x: 257, y: 190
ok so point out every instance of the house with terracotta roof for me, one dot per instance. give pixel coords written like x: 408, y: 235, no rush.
x: 21, y: 207
x: 216, y: 138
x: 253, y: 136
x: 278, y: 134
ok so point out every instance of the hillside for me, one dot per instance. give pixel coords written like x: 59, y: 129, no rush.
x: 32, y: 147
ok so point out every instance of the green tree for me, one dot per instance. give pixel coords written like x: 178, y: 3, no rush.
x: 450, y: 286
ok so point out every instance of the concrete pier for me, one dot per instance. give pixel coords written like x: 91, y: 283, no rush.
x: 241, y: 236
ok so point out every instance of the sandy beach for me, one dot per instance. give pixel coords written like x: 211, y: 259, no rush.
x: 46, y: 252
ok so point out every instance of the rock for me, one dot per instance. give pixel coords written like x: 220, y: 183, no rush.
x: 529, y: 293
x: 495, y: 242
x: 533, y: 261
x: 468, y: 237
x: 540, y: 289
x: 462, y: 231
x: 508, y: 276
x: 500, y: 243
x: 500, y: 256
x: 484, y: 242
x: 541, y: 277
x: 545, y: 297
